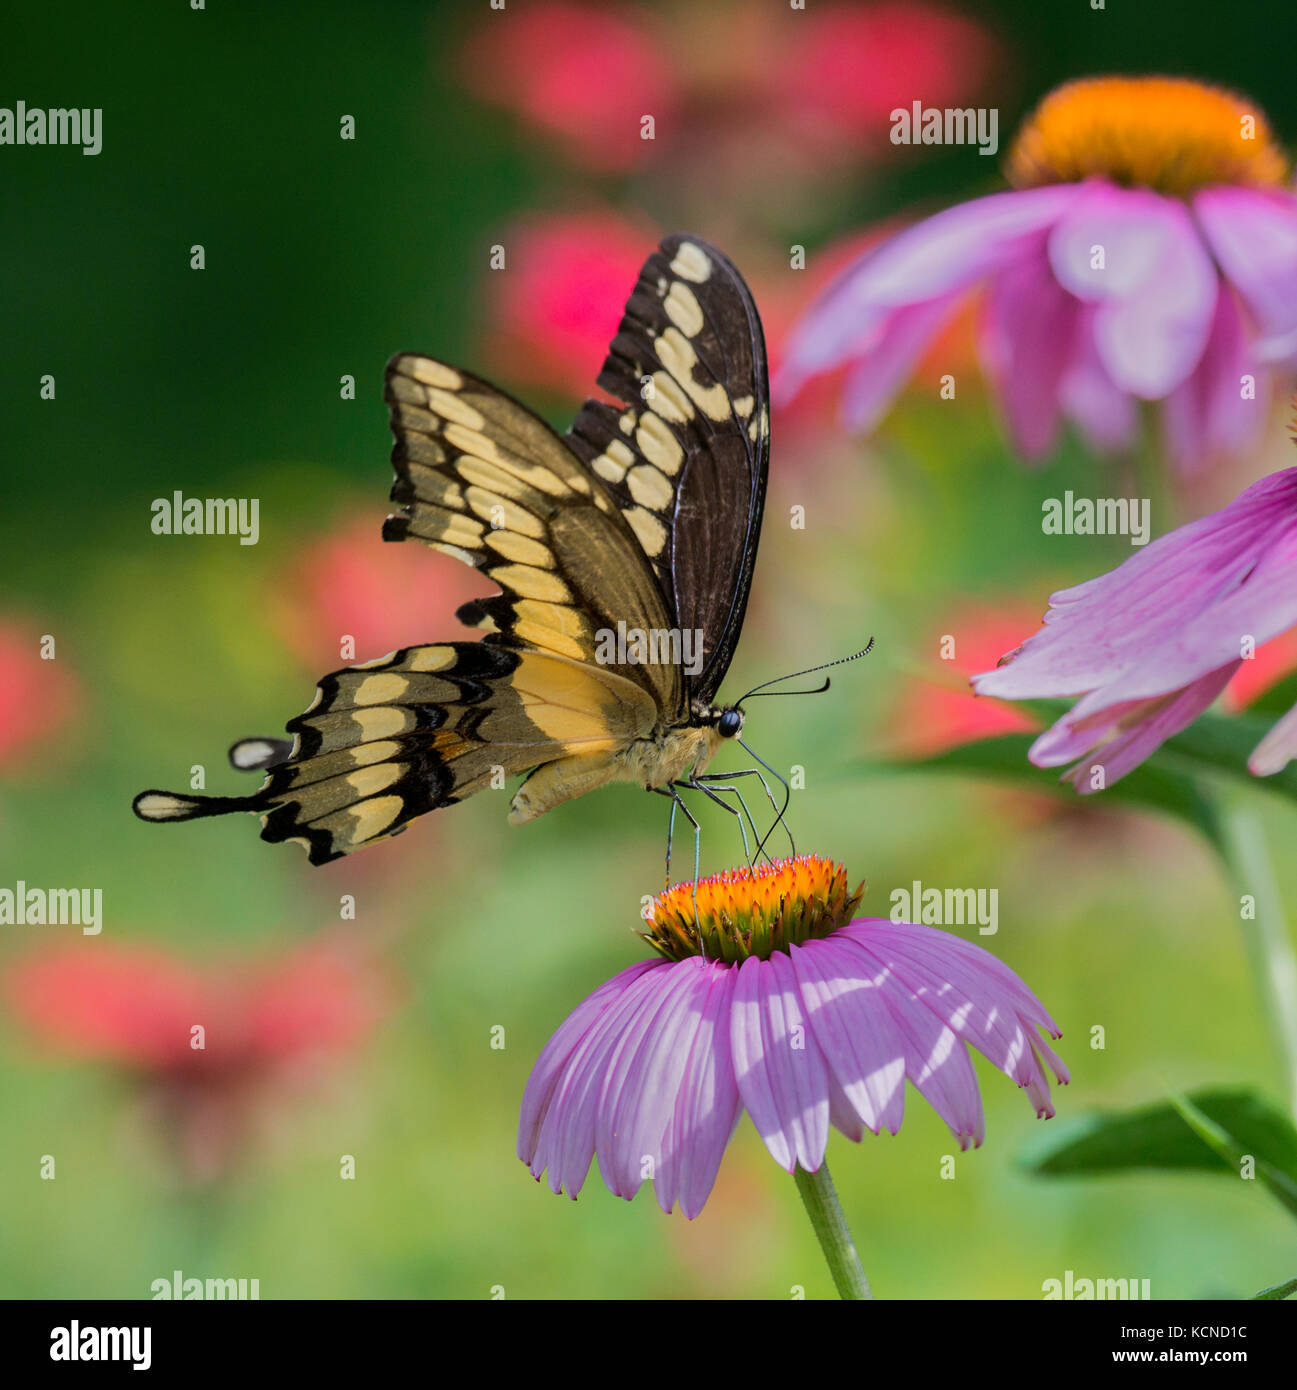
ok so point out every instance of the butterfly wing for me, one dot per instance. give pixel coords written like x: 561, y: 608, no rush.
x: 482, y: 478
x: 686, y: 455
x: 646, y: 516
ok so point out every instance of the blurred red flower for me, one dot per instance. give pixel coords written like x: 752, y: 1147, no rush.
x: 586, y: 74
x: 349, y: 582
x: 852, y: 65
x: 217, y: 1049
x: 937, y: 709
x: 823, y: 80
x: 38, y: 697
x: 1271, y: 663
x: 555, y: 308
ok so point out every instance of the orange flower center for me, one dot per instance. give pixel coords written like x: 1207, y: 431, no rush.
x: 752, y: 912
x: 1164, y: 133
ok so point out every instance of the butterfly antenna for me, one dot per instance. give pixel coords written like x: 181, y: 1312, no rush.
x: 810, y: 671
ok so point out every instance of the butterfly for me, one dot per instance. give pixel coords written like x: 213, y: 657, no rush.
x: 623, y: 551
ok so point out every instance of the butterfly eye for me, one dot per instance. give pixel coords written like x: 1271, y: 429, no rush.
x: 730, y: 722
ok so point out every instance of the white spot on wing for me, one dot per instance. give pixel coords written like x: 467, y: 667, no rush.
x: 691, y: 263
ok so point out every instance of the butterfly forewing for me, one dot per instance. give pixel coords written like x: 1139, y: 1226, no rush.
x: 482, y: 478
x: 686, y: 454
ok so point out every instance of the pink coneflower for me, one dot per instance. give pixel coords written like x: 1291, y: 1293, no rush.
x: 214, y: 1052
x: 772, y: 999
x: 1148, y: 252
x: 1152, y: 643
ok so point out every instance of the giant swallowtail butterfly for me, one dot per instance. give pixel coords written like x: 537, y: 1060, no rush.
x: 642, y: 519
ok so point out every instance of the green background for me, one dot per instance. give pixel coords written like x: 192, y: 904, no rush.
x: 323, y: 257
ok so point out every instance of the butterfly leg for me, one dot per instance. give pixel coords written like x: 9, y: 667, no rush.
x: 780, y: 817
x: 678, y: 801
x: 671, y: 828
x: 712, y: 793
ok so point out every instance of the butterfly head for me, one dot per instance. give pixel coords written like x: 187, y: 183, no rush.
x: 729, y: 722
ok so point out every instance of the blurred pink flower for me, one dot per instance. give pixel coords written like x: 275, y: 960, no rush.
x: 1147, y: 253
x: 724, y: 82
x: 265, y: 1026
x: 38, y: 698
x: 348, y: 582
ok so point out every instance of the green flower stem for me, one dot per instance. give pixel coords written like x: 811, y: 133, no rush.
x: 830, y: 1226
x: 1269, y: 943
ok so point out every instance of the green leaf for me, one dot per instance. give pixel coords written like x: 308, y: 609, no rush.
x: 1279, y: 699
x: 1222, y: 744
x: 1223, y: 1142
x: 1277, y: 1291
x: 1209, y: 1131
x: 1149, y: 787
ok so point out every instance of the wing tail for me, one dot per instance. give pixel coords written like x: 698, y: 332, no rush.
x: 158, y: 806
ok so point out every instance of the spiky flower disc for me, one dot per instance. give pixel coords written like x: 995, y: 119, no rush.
x: 752, y: 912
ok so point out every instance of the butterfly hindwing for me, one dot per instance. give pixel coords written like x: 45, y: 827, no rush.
x: 426, y: 727
x: 686, y: 455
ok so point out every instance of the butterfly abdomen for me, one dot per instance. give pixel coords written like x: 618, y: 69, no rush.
x: 669, y: 756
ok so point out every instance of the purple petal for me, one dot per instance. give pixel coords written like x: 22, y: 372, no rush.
x: 546, y: 1075
x: 707, y: 1106
x: 854, y: 1032
x: 1208, y: 415
x: 1137, y: 738
x: 1277, y: 749
x: 780, y: 1070
x: 933, y: 259
x: 642, y: 1078
x: 1030, y: 342
x: 1105, y: 415
x: 566, y: 1142
x: 1252, y: 232
x: 1155, y: 291
x: 968, y: 996
x: 1184, y: 603
x: 876, y: 376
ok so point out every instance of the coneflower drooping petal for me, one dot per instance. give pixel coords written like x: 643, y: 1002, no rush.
x: 797, y: 1014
